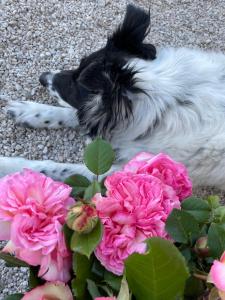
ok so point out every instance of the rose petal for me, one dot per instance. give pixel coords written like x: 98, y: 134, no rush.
x: 9, y: 248
x: 218, y: 275
x: 5, y: 230
x: 222, y: 295
x: 49, y: 290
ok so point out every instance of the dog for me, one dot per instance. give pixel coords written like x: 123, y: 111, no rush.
x: 138, y: 98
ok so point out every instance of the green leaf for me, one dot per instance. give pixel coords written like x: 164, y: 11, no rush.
x: 124, y: 290
x: 194, y: 287
x: 214, y: 201
x: 198, y: 208
x: 92, y: 190
x: 79, y: 183
x: 79, y: 289
x: 159, y: 274
x: 93, y: 289
x: 99, y: 156
x: 186, y: 253
x: 216, y: 239
x: 97, y: 269
x: 12, y: 261
x: 86, y: 243
x: 77, y: 180
x: 14, y: 297
x: 219, y: 214
x: 34, y: 280
x: 82, y: 270
x: 81, y: 265
x: 182, y: 226
x: 112, y: 280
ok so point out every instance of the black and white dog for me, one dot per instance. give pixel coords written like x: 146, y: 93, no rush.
x: 139, y: 99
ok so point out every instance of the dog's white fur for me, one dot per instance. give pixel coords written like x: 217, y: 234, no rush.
x: 185, y: 98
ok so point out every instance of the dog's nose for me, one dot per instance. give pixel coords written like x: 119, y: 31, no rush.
x: 44, y: 78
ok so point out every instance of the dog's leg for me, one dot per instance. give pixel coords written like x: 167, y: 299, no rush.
x: 36, y: 115
x: 57, y: 171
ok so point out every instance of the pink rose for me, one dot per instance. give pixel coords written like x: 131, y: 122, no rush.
x: 217, y: 274
x: 163, y: 167
x: 33, y: 209
x: 53, y: 291
x: 135, y: 208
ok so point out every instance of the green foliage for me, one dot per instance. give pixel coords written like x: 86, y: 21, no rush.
x: 194, y: 288
x: 79, y: 183
x: 92, y: 189
x: 93, y: 289
x: 14, y: 297
x: 82, y: 270
x: 159, y: 274
x: 34, y: 280
x: 86, y: 243
x: 198, y: 208
x: 216, y: 239
x: 182, y: 226
x: 112, y: 280
x: 79, y: 289
x: 214, y: 201
x: 12, y: 261
x: 99, y: 156
x: 97, y: 269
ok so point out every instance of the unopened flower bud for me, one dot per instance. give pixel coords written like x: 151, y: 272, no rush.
x: 201, y: 247
x: 82, y: 218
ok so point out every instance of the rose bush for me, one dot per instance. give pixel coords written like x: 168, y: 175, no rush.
x: 136, y: 222
x: 33, y: 209
x: 137, y: 203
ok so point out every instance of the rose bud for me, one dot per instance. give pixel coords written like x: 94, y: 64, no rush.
x: 201, y: 247
x: 82, y: 218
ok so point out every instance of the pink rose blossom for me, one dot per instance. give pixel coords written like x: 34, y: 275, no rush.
x: 33, y: 209
x: 135, y: 208
x: 217, y: 273
x: 49, y: 291
x: 163, y: 167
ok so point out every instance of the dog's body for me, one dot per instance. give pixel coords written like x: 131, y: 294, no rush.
x: 170, y: 101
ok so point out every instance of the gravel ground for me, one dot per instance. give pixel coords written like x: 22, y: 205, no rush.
x: 41, y: 35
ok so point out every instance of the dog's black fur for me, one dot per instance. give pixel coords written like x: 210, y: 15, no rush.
x: 104, y: 74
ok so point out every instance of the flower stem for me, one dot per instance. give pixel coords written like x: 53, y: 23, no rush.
x: 200, y: 276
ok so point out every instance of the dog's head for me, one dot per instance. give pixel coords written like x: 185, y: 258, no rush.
x: 100, y: 87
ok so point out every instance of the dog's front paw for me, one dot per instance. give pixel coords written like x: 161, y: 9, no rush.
x: 23, y: 113
x: 36, y: 115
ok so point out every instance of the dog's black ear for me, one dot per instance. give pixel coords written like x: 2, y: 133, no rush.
x: 131, y: 33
